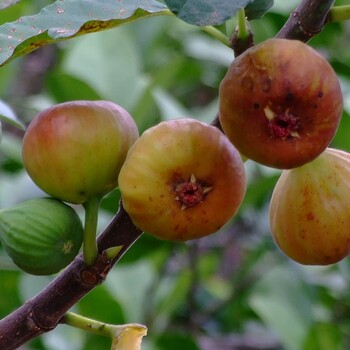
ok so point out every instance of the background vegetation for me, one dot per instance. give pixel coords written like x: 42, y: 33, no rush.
x: 232, y: 290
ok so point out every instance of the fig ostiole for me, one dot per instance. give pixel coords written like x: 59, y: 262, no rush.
x: 90, y: 250
x: 42, y: 236
x: 182, y: 180
x: 309, y: 210
x: 280, y: 103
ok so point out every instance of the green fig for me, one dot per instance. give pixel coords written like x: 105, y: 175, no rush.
x: 42, y: 235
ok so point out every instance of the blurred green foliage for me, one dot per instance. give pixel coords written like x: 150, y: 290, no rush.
x: 232, y: 290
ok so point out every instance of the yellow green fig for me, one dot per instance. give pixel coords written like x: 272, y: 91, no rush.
x: 182, y: 180
x: 309, y: 210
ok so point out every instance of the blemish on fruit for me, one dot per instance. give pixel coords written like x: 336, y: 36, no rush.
x: 289, y: 97
x: 310, y: 216
x: 266, y: 85
x: 256, y: 105
x: 320, y: 94
x: 67, y: 247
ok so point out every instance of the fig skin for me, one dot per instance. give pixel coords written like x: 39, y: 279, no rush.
x: 280, y: 103
x: 74, y: 150
x: 42, y: 235
x: 163, y: 162
x: 309, y: 210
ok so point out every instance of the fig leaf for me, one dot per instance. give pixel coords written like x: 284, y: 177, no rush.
x: 258, y: 8
x: 66, y: 19
x: 9, y: 116
x: 206, y: 12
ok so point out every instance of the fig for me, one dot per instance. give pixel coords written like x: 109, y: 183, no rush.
x: 74, y: 151
x: 280, y: 103
x: 182, y: 180
x: 309, y: 210
x: 41, y: 235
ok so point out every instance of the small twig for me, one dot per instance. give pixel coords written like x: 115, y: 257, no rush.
x: 215, y: 33
x: 339, y: 13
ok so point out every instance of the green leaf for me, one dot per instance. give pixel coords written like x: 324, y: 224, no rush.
x: 258, y: 8
x: 175, y: 341
x: 169, y: 297
x: 66, y: 19
x: 169, y: 107
x: 281, y: 301
x: 324, y: 336
x: 9, y: 283
x: 206, y: 12
x: 116, y: 73
x: 11, y: 152
x: 99, y: 304
x: 341, y: 139
x: 64, y: 337
x: 133, y: 300
x: 64, y: 87
x: 7, y: 3
x: 8, y: 115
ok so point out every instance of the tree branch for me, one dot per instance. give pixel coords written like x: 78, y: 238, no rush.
x: 44, y: 312
x: 308, y: 19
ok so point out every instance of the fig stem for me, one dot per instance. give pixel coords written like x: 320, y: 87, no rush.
x: 90, y: 251
x: 217, y: 34
x: 124, y: 337
x: 90, y: 325
x: 339, y: 13
x: 243, y: 30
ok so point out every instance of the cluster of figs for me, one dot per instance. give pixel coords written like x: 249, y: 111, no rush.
x: 280, y: 105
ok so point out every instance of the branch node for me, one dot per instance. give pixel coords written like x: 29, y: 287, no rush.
x: 97, y: 273
x: 304, y: 28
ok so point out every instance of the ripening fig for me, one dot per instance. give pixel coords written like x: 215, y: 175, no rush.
x: 280, y: 103
x: 74, y: 150
x: 309, y: 210
x: 41, y: 235
x: 182, y: 180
